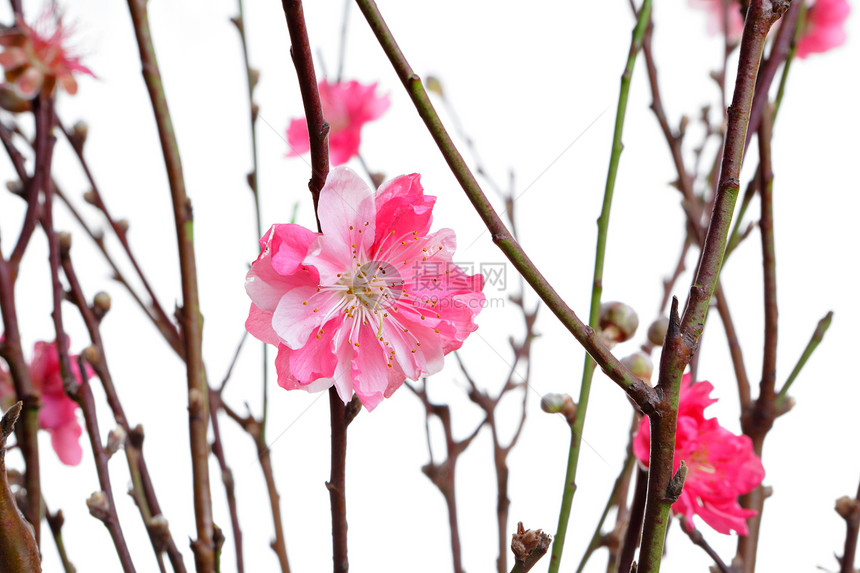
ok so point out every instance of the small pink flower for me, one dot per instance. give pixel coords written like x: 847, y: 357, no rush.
x: 721, y: 466
x: 36, y: 58
x: 825, y: 27
x: 371, y: 300
x: 346, y: 106
x: 716, y: 17
x: 57, y: 414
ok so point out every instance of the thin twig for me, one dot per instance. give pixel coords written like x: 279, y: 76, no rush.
x: 816, y: 339
x: 849, y: 509
x: 142, y: 487
x: 55, y: 524
x: 106, y: 513
x: 698, y: 539
x: 442, y: 474
x: 191, y: 319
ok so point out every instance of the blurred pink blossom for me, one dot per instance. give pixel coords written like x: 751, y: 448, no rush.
x: 371, y: 300
x: 824, y: 27
x: 57, y: 414
x: 346, y: 106
x: 38, y: 57
x: 721, y: 465
x: 716, y: 17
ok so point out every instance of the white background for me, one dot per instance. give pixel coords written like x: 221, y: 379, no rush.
x: 526, y: 80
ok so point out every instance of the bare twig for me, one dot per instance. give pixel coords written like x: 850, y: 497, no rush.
x: 190, y: 317
x: 143, y: 490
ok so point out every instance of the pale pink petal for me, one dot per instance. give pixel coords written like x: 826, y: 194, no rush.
x: 402, y: 207
x: 417, y: 349
x: 259, y: 325
x: 289, y: 382
x: 298, y: 138
x: 300, y: 312
x: 344, y: 350
x: 66, y: 443
x: 343, y: 145
x: 370, y: 368
x: 316, y: 359
x: 346, y: 207
x: 825, y: 27
x: 289, y: 246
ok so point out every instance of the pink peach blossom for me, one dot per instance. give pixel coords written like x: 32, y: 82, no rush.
x: 824, y: 27
x: 716, y: 17
x: 721, y: 465
x: 38, y: 57
x: 346, y: 106
x: 57, y: 414
x: 373, y: 299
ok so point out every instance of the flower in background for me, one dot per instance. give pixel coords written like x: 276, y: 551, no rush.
x: 824, y: 27
x: 720, y: 465
x: 38, y: 57
x: 716, y: 17
x: 57, y: 414
x: 346, y: 106
x: 371, y: 300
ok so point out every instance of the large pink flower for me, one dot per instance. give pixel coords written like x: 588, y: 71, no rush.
x: 721, y: 465
x: 346, y: 106
x: 57, y: 414
x: 38, y: 57
x: 371, y: 300
x: 825, y: 27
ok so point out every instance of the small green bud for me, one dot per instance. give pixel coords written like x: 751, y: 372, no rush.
x: 640, y: 365
x: 618, y: 322
x: 657, y: 331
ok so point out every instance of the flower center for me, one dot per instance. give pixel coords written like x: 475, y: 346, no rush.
x: 373, y: 287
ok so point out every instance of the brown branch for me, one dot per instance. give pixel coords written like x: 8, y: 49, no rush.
x: 698, y: 539
x: 105, y: 512
x: 218, y: 451
x: 734, y: 348
x: 442, y: 474
x: 142, y: 487
x: 19, y: 552
x: 634, y: 524
x: 55, y: 524
x: 318, y: 129
x: 190, y: 317
x: 528, y: 547
x: 849, y: 509
x: 758, y: 418
x: 254, y: 429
